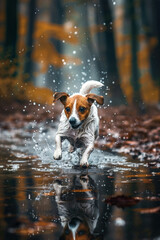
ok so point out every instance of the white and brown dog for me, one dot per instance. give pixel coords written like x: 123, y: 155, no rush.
x: 79, y: 122
x: 78, y: 207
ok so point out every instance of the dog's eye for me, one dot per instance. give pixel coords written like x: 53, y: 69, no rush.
x: 67, y: 109
x: 67, y: 231
x: 82, y: 109
x: 81, y: 232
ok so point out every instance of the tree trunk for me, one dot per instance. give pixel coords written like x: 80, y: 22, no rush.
x: 11, y: 28
x: 134, y: 49
x: 57, y: 17
x: 28, y: 68
x: 10, y: 45
x: 111, y: 61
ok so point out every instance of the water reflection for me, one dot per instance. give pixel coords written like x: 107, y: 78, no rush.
x: 41, y: 201
x: 78, y: 207
x: 55, y: 205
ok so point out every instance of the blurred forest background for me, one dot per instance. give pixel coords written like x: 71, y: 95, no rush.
x: 55, y: 45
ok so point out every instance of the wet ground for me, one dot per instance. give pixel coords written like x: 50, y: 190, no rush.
x: 115, y: 198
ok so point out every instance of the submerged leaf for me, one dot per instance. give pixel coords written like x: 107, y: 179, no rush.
x: 122, y: 201
x: 148, y: 210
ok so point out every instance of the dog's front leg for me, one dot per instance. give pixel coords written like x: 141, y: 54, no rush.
x: 58, y: 150
x: 71, y: 148
x: 86, y: 154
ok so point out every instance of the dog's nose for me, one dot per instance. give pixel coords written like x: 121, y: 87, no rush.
x: 72, y: 121
x: 74, y: 222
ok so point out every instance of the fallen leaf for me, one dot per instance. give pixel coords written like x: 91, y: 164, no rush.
x: 123, y: 201
x: 148, y: 210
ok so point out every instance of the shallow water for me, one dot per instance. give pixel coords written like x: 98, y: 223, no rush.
x: 41, y: 198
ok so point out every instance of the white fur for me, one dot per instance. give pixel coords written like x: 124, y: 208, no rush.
x: 74, y: 113
x: 89, y: 85
x: 85, y: 134
x: 67, y: 210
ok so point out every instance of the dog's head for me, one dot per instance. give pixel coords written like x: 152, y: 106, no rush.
x: 77, y: 107
x: 76, y: 230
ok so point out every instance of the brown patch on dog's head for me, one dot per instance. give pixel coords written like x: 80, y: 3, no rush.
x: 62, y: 96
x: 93, y: 97
x: 77, y: 106
x: 82, y: 233
x: 82, y: 107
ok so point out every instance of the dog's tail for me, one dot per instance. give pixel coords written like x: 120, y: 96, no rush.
x: 89, y: 85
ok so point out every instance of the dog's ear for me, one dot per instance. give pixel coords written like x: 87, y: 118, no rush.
x: 93, y: 97
x: 62, y: 96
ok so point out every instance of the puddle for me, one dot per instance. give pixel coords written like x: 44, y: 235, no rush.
x: 41, y: 198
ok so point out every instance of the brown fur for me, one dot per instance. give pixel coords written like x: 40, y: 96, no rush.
x: 83, y: 227
x: 82, y: 101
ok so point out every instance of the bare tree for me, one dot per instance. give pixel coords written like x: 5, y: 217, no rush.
x: 11, y: 28
x: 110, y: 62
x: 28, y: 68
x: 57, y: 17
x: 10, y: 43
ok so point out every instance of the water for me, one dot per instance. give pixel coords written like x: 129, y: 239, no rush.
x: 41, y: 198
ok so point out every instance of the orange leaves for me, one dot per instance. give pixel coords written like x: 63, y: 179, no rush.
x: 61, y: 32
x: 44, y: 52
x: 149, y: 91
x: 39, y: 95
x: 81, y: 190
x: 6, y: 86
x: 22, y: 25
x: 26, y: 227
x: 14, y: 88
x: 36, y: 94
x: 97, y: 28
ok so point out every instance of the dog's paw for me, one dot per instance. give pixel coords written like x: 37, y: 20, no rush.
x: 57, y: 188
x: 57, y: 154
x: 84, y: 163
x: 71, y: 149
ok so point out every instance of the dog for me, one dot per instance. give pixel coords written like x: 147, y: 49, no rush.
x: 77, y: 206
x: 79, y: 122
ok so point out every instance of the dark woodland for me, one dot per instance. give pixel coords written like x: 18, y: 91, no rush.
x: 57, y: 45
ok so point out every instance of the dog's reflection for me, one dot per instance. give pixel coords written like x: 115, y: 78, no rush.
x: 77, y: 208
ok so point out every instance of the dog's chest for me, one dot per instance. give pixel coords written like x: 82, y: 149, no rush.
x: 77, y: 138
x: 82, y: 136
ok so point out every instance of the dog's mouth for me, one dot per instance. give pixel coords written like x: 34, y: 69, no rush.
x: 76, y: 126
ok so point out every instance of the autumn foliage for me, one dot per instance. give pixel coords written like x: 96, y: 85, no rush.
x: 135, y: 69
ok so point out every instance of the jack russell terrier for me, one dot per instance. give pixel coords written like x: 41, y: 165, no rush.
x: 78, y: 207
x: 79, y: 122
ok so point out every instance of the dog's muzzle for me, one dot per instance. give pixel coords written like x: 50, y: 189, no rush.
x: 73, y: 123
x: 74, y: 223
